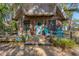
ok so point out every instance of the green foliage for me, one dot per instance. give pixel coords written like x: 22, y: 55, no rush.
x: 28, y: 37
x: 68, y: 13
x: 7, y: 29
x: 65, y: 23
x: 13, y: 25
x: 65, y: 43
x: 1, y: 24
x: 3, y: 11
x: 23, y: 38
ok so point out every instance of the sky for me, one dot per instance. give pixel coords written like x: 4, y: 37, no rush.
x: 75, y: 15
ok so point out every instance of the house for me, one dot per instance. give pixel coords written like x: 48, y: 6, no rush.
x: 46, y: 13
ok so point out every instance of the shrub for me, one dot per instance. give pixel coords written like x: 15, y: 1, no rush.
x: 65, y: 43
x: 13, y: 25
x: 7, y: 29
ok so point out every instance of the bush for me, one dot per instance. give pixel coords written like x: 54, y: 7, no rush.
x: 13, y: 25
x: 7, y: 29
x: 65, y: 43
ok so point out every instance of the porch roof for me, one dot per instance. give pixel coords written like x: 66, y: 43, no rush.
x: 39, y: 9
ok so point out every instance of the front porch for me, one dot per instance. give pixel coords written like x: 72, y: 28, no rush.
x: 40, y: 20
